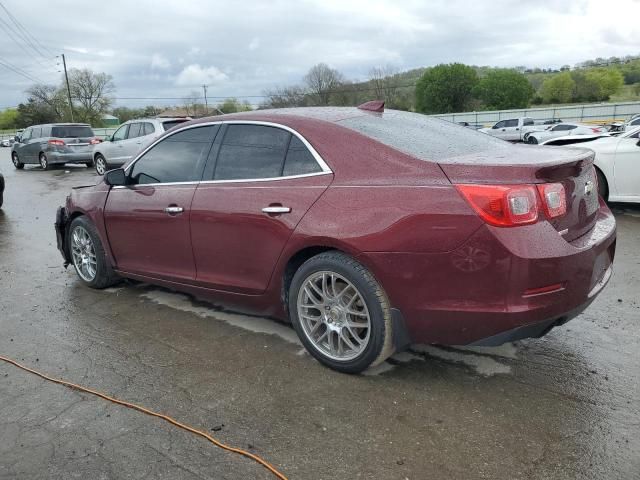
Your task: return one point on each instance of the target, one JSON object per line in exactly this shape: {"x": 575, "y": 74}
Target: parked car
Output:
{"x": 616, "y": 161}
{"x": 129, "y": 139}
{"x": 368, "y": 231}
{"x": 512, "y": 129}
{"x": 6, "y": 142}
{"x": 1, "y": 189}
{"x": 54, "y": 143}
{"x": 561, "y": 130}
{"x": 474, "y": 126}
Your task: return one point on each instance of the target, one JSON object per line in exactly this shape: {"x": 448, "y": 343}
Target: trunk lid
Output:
{"x": 524, "y": 164}
{"x": 76, "y": 138}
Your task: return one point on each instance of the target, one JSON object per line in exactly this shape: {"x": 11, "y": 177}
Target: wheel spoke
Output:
{"x": 311, "y": 297}
{"x": 347, "y": 341}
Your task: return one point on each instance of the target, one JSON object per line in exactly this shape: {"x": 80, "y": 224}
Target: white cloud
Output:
{"x": 194, "y": 74}
{"x": 159, "y": 62}
{"x": 255, "y": 43}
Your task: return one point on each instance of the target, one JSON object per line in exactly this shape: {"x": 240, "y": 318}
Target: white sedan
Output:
{"x": 561, "y": 130}
{"x": 617, "y": 160}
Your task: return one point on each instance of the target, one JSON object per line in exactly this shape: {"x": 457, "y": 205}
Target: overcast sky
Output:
{"x": 170, "y": 48}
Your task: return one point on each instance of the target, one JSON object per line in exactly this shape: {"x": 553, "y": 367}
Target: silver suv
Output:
{"x": 54, "y": 143}
{"x": 129, "y": 139}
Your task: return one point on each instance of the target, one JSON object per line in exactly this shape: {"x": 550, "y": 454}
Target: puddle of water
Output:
{"x": 475, "y": 357}
{"x": 508, "y": 350}
{"x": 483, "y": 365}
{"x": 254, "y": 324}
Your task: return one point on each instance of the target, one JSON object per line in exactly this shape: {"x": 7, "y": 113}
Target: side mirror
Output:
{"x": 108, "y": 138}
{"x": 16, "y": 139}
{"x": 115, "y": 177}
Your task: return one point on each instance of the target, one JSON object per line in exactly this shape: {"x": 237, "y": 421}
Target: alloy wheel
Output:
{"x": 334, "y": 316}
{"x": 14, "y": 159}
{"x": 84, "y": 254}
{"x": 44, "y": 162}
{"x": 101, "y": 167}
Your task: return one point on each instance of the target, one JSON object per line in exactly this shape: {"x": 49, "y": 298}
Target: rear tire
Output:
{"x": 329, "y": 295}
{"x": 88, "y": 256}
{"x": 16, "y": 161}
{"x": 603, "y": 186}
{"x": 44, "y": 162}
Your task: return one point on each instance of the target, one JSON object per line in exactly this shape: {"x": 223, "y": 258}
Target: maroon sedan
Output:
{"x": 367, "y": 230}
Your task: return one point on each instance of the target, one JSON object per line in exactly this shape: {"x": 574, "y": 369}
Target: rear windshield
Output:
{"x": 172, "y": 123}
{"x": 71, "y": 131}
{"x": 423, "y": 137}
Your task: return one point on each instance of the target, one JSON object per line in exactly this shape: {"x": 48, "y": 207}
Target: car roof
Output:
{"x": 61, "y": 125}
{"x": 157, "y": 119}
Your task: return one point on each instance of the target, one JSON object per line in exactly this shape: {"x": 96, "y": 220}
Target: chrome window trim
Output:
{"x": 321, "y": 163}
{"x": 206, "y": 182}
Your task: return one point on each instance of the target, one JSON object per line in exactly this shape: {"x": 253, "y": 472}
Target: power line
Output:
{"x": 31, "y": 40}
{"x": 19, "y": 71}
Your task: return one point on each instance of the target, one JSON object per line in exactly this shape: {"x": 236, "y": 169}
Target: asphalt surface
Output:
{"x": 565, "y": 406}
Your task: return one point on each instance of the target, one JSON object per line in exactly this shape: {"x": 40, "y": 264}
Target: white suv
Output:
{"x": 129, "y": 139}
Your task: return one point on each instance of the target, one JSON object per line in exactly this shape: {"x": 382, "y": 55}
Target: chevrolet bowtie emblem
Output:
{"x": 588, "y": 187}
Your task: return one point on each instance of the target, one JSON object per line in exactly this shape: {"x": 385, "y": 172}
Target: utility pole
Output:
{"x": 66, "y": 78}
{"x": 206, "y": 103}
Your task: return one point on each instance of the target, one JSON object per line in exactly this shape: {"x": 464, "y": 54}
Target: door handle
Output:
{"x": 274, "y": 209}
{"x": 173, "y": 210}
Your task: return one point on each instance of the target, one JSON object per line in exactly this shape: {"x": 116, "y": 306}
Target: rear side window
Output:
{"x": 134, "y": 130}
{"x": 299, "y": 159}
{"x": 172, "y": 123}
{"x": 251, "y": 151}
{"x": 422, "y": 137}
{"x": 511, "y": 123}
{"x": 71, "y": 131}
{"x": 177, "y": 158}
{"x": 527, "y": 122}
{"x": 148, "y": 128}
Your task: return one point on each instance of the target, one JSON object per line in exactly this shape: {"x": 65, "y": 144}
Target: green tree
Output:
{"x": 9, "y": 119}
{"x": 445, "y": 88}
{"x": 558, "y": 88}
{"x": 125, "y": 113}
{"x": 233, "y": 105}
{"x": 609, "y": 81}
{"x": 501, "y": 89}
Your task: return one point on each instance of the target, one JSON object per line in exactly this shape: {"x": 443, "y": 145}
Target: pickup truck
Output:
{"x": 513, "y": 129}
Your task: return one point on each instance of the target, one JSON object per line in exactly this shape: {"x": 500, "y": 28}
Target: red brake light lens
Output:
{"x": 503, "y": 205}
{"x": 596, "y": 130}
{"x": 554, "y": 199}
{"x": 56, "y": 142}
{"x": 95, "y": 141}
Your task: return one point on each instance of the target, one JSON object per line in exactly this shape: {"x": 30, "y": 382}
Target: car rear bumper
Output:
{"x": 491, "y": 289}
{"x": 74, "y": 157}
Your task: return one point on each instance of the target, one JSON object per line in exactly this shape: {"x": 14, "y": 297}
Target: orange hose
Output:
{"x": 217, "y": 443}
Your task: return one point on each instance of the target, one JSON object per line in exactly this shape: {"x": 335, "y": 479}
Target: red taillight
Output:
{"x": 596, "y": 130}
{"x": 56, "y": 142}
{"x": 503, "y": 205}
{"x": 512, "y": 205}
{"x": 95, "y": 141}
{"x": 554, "y": 199}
